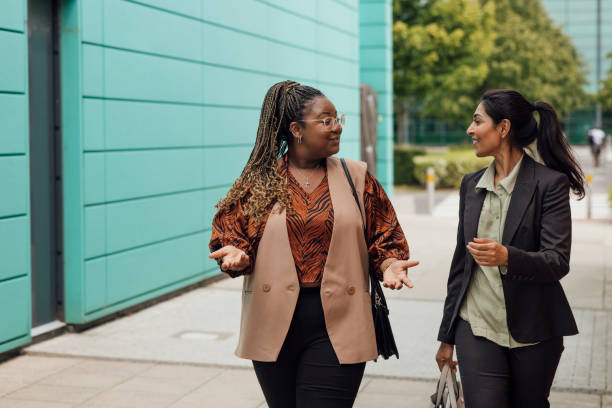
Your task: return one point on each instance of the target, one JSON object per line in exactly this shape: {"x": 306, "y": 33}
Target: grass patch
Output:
{"x": 449, "y": 166}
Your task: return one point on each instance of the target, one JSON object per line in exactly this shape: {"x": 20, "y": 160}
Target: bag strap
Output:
{"x": 354, "y": 190}
{"x": 441, "y": 384}
{"x": 461, "y": 402}
{"x": 451, "y": 383}
{"x": 448, "y": 382}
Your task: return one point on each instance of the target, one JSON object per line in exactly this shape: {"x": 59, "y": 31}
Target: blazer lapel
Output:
{"x": 473, "y": 206}
{"x": 521, "y": 196}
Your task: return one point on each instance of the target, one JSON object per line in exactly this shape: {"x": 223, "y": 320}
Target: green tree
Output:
{"x": 441, "y": 48}
{"x": 447, "y": 52}
{"x": 534, "y": 57}
{"x": 605, "y": 93}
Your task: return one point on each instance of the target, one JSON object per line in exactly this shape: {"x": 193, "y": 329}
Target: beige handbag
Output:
{"x": 449, "y": 392}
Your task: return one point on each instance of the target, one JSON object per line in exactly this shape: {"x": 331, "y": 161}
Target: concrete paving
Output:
{"x": 179, "y": 353}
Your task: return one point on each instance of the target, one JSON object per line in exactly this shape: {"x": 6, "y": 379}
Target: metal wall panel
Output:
{"x": 376, "y": 58}
{"x": 169, "y": 109}
{"x": 15, "y": 295}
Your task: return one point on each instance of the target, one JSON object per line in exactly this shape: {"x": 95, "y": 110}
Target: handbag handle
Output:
{"x": 449, "y": 381}
{"x": 354, "y": 190}
{"x": 442, "y": 383}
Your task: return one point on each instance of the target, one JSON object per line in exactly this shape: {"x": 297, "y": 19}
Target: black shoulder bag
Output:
{"x": 380, "y": 312}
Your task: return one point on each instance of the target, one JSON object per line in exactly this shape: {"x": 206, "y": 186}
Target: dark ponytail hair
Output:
{"x": 285, "y": 102}
{"x": 524, "y": 129}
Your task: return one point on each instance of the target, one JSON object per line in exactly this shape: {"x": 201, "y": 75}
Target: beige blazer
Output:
{"x": 270, "y": 292}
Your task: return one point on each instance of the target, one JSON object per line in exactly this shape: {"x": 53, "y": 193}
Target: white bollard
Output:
{"x": 430, "y": 181}
{"x": 589, "y": 203}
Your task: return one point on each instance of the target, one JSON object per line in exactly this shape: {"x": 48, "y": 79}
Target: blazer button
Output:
{"x": 266, "y": 287}
{"x": 350, "y": 290}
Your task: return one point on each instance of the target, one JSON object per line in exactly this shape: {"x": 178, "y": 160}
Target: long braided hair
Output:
{"x": 285, "y": 102}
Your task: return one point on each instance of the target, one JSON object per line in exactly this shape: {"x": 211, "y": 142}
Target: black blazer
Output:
{"x": 538, "y": 235}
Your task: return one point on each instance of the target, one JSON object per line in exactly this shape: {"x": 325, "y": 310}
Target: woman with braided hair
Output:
{"x": 505, "y": 309}
{"x": 291, "y": 226}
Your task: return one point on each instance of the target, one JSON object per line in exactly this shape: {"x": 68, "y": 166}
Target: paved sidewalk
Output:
{"x": 179, "y": 353}
{"x": 61, "y": 382}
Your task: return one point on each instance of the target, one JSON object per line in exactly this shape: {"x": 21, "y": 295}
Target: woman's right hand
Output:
{"x": 445, "y": 355}
{"x": 232, "y": 258}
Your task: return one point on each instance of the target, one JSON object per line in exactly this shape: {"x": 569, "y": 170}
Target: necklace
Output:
{"x": 305, "y": 176}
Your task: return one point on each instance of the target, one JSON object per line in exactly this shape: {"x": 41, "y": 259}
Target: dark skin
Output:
{"x": 312, "y": 143}
{"x": 488, "y": 139}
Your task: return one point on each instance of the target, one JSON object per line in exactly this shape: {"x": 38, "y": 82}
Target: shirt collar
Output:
{"x": 487, "y": 181}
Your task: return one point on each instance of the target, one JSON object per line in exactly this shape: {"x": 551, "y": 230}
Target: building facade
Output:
{"x": 123, "y": 122}
{"x": 579, "y": 20}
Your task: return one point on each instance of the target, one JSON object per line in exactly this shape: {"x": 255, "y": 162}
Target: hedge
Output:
{"x": 450, "y": 167}
{"x": 403, "y": 164}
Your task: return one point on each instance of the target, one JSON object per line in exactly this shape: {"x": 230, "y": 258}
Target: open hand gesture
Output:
{"x": 396, "y": 275}
{"x": 233, "y": 259}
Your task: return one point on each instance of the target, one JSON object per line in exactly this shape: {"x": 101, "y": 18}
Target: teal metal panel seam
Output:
{"x": 146, "y": 149}
{"x": 348, "y": 6}
{"x": 12, "y": 154}
{"x": 105, "y": 165}
{"x": 15, "y": 343}
{"x": 10, "y": 30}
{"x": 298, "y": 47}
{"x": 148, "y": 244}
{"x": 143, "y": 297}
{"x": 8, "y": 217}
{"x": 170, "y": 193}
{"x": 11, "y": 93}
{"x": 13, "y": 278}
{"x": 26, "y": 339}
{"x": 72, "y": 163}
{"x": 27, "y": 152}
{"x": 260, "y": 1}
{"x": 210, "y": 64}
{"x": 212, "y": 105}
{"x": 313, "y": 20}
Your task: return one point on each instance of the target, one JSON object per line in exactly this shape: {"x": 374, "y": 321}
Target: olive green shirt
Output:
{"x": 484, "y": 306}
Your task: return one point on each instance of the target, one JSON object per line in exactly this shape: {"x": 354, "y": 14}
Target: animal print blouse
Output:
{"x": 310, "y": 228}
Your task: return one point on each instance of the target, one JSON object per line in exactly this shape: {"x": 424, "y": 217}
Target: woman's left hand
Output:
{"x": 396, "y": 275}
{"x": 487, "y": 252}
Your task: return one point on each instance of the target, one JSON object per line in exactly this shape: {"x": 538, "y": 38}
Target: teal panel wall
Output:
{"x": 376, "y": 57}
{"x": 160, "y": 106}
{"x": 15, "y": 303}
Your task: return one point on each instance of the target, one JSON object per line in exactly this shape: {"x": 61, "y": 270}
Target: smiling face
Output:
{"x": 487, "y": 137}
{"x": 318, "y": 141}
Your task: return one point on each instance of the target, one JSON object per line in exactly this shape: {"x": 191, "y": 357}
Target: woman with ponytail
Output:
{"x": 505, "y": 309}
{"x": 291, "y": 226}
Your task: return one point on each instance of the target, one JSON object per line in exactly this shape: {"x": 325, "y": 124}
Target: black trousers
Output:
{"x": 307, "y": 372}
{"x": 500, "y": 377}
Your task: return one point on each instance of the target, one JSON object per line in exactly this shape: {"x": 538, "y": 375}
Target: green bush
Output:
{"x": 450, "y": 167}
{"x": 403, "y": 164}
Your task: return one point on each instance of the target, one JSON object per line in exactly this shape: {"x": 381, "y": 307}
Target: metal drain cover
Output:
{"x": 203, "y": 335}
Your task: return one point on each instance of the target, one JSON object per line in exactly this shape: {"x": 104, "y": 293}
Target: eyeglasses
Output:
{"x": 329, "y": 122}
